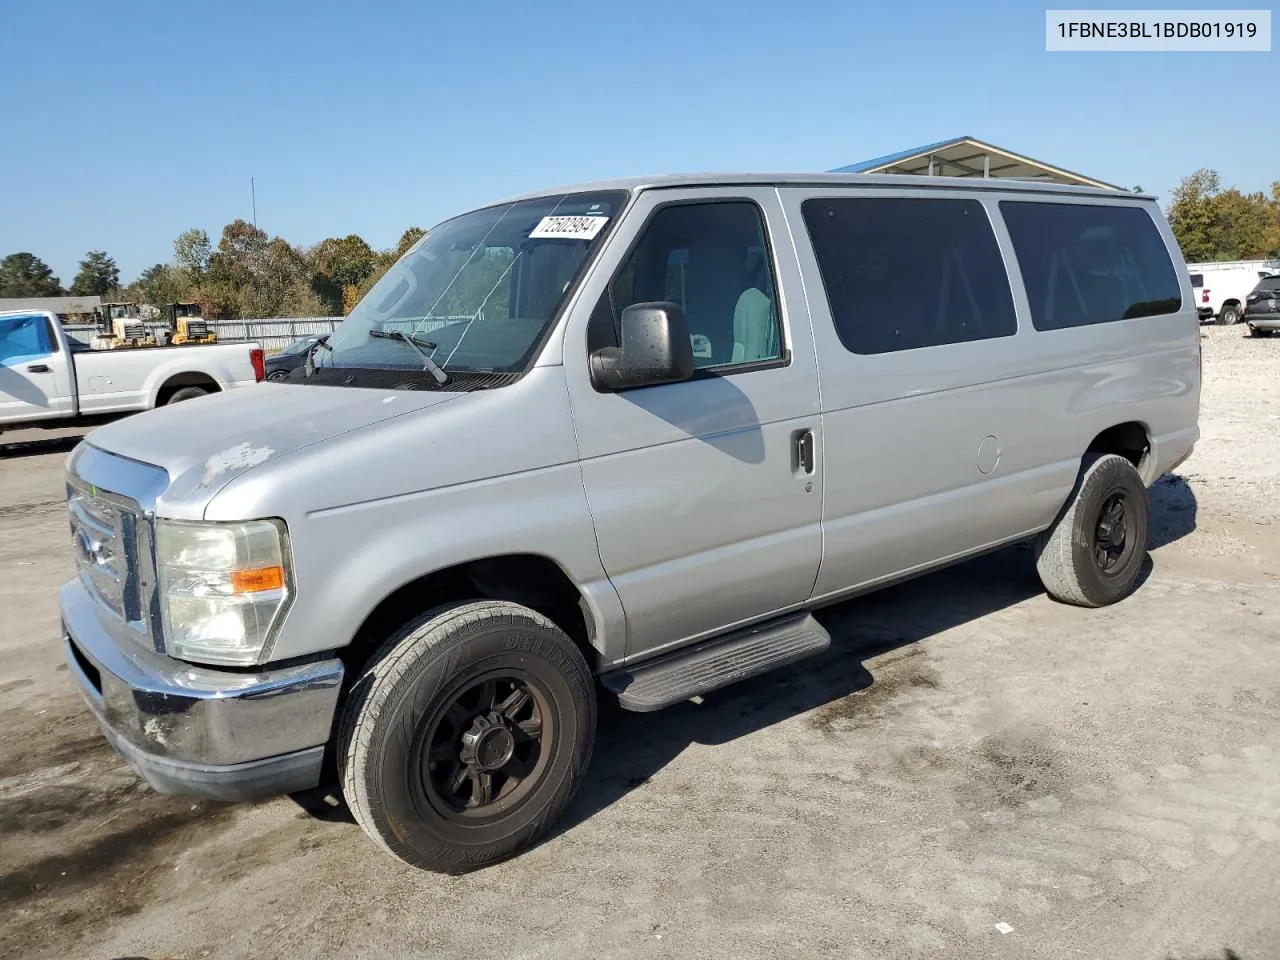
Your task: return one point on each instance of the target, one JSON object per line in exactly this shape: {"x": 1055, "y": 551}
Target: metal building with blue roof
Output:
{"x": 970, "y": 157}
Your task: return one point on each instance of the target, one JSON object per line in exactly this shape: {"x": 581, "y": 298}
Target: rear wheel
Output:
{"x": 1228, "y": 315}
{"x": 186, "y": 393}
{"x": 1092, "y": 555}
{"x": 1255, "y": 332}
{"x": 467, "y": 735}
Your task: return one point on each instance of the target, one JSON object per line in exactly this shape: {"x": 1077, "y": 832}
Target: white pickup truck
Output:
{"x": 1220, "y": 289}
{"x": 48, "y": 379}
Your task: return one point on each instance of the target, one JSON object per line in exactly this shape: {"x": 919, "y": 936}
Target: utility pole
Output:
{"x": 253, "y": 192}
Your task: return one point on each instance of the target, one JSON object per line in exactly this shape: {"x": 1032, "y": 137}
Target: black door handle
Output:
{"x": 804, "y": 450}
{"x": 38, "y": 368}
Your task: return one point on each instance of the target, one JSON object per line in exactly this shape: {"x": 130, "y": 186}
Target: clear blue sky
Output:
{"x": 126, "y": 123}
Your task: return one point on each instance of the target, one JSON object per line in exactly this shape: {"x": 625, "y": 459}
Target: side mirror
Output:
{"x": 655, "y": 349}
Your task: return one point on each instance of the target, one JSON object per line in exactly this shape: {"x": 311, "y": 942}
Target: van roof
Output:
{"x": 897, "y": 181}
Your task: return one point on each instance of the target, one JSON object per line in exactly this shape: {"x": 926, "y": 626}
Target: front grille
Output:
{"x": 112, "y": 545}
{"x": 102, "y": 535}
{"x": 111, "y": 501}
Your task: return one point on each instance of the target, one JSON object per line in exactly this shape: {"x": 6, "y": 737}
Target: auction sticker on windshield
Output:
{"x": 568, "y": 228}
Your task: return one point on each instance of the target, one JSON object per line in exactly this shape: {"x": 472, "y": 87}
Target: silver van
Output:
{"x": 625, "y": 438}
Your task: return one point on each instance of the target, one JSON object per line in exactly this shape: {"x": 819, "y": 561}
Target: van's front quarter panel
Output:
{"x": 490, "y": 473}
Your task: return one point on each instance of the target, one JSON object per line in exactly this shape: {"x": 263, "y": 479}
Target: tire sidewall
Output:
{"x": 1229, "y": 315}
{"x": 1109, "y": 475}
{"x": 187, "y": 393}
{"x": 400, "y": 811}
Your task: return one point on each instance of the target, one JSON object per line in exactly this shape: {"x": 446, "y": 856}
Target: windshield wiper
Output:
{"x": 417, "y": 343}
{"x": 310, "y": 366}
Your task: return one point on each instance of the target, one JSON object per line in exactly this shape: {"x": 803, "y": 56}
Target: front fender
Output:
{"x": 489, "y": 473}
{"x": 349, "y": 559}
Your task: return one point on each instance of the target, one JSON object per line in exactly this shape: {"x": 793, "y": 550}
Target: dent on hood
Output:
{"x": 240, "y": 457}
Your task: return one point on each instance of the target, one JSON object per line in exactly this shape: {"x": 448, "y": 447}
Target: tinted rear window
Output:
{"x": 1197, "y": 279}
{"x": 903, "y": 273}
{"x": 1089, "y": 263}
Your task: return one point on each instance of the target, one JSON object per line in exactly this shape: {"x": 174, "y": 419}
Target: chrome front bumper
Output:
{"x": 188, "y": 729}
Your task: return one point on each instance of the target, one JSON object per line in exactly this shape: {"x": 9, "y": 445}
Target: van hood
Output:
{"x": 205, "y": 443}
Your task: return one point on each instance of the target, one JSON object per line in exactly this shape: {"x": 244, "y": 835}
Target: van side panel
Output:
{"x": 1146, "y": 369}
{"x": 908, "y": 434}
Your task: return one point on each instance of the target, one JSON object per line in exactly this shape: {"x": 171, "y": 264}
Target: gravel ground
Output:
{"x": 972, "y": 771}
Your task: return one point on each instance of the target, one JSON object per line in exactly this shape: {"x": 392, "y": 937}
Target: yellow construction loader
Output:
{"x": 121, "y": 325}
{"x": 186, "y": 325}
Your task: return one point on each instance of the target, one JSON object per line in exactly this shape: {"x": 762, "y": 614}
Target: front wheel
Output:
{"x": 1092, "y": 555}
{"x": 1229, "y": 315}
{"x": 467, "y": 735}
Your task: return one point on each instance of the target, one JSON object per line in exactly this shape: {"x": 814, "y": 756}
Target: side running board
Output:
{"x": 716, "y": 663}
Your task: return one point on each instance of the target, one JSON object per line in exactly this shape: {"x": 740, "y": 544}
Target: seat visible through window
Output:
{"x": 755, "y": 331}
{"x": 710, "y": 258}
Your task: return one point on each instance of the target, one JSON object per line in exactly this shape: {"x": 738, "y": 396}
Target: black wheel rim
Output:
{"x": 485, "y": 749}
{"x": 1112, "y": 542}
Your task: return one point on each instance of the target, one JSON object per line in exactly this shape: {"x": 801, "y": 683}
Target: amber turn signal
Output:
{"x": 255, "y": 581}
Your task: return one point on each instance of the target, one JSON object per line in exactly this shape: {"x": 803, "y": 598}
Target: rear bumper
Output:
{"x": 195, "y": 730}
{"x": 1263, "y": 321}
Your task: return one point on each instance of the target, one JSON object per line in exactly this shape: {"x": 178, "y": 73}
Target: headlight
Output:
{"x": 223, "y": 587}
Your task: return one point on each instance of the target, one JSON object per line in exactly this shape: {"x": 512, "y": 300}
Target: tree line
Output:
{"x": 250, "y": 274}
{"x": 1216, "y": 224}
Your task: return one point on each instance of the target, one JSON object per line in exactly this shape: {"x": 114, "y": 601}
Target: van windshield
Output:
{"x": 477, "y": 292}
